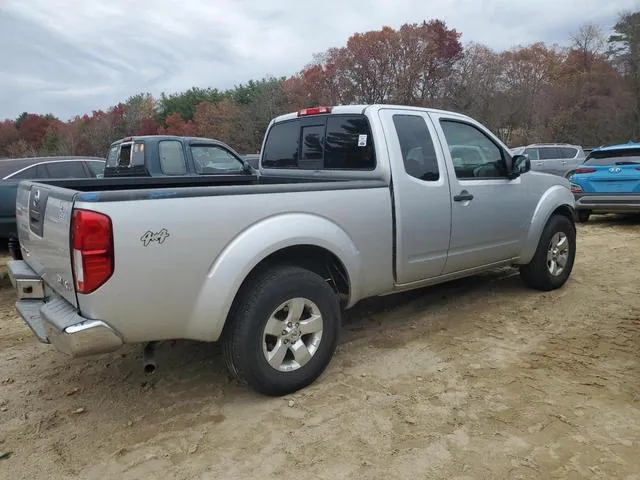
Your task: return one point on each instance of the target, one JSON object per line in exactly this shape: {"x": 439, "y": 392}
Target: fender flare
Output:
{"x": 555, "y": 197}
{"x": 250, "y": 247}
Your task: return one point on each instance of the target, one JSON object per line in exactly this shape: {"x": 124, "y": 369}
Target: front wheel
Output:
{"x": 552, "y": 263}
{"x": 283, "y": 330}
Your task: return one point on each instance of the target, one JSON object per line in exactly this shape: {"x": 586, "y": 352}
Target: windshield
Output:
{"x": 212, "y": 159}
{"x": 614, "y": 157}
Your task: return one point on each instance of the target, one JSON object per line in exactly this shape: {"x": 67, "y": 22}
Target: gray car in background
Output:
{"x": 556, "y": 158}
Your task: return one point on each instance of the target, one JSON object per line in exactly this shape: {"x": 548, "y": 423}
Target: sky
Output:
{"x": 69, "y": 57}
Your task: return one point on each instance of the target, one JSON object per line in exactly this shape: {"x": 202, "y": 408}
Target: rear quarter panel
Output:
{"x": 184, "y": 286}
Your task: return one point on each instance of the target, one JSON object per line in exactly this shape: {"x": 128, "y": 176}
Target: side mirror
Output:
{"x": 520, "y": 164}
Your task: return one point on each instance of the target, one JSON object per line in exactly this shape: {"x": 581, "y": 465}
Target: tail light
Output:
{"x": 585, "y": 170}
{"x": 305, "y": 112}
{"x": 92, "y": 249}
{"x": 576, "y": 188}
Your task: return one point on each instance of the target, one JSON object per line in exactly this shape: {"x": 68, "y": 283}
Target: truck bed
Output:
{"x": 130, "y": 188}
{"x": 183, "y": 206}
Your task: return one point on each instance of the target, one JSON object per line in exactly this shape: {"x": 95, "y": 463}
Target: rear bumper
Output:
{"x": 54, "y": 320}
{"x": 608, "y": 202}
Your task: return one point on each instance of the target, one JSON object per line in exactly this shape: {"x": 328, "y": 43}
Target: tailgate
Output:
{"x": 43, "y": 216}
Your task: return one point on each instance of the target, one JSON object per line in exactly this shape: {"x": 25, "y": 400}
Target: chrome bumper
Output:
{"x": 54, "y": 320}
{"x": 624, "y": 202}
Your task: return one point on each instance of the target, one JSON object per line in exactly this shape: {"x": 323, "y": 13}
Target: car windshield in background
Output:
{"x": 614, "y": 157}
{"x": 212, "y": 159}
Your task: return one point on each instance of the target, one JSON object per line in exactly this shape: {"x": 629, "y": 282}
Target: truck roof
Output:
{"x": 167, "y": 137}
{"x": 360, "y": 109}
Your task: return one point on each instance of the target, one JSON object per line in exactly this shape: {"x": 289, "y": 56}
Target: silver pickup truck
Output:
{"x": 350, "y": 202}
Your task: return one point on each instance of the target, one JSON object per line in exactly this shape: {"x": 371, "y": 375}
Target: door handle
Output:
{"x": 463, "y": 196}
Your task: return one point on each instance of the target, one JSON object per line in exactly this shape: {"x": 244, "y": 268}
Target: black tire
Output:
{"x": 536, "y": 273}
{"x": 243, "y": 339}
{"x": 583, "y": 216}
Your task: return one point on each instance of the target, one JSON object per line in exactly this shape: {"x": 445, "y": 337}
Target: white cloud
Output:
{"x": 94, "y": 55}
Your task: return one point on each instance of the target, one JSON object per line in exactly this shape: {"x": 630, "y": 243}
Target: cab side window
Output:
{"x": 172, "y": 158}
{"x": 475, "y": 156}
{"x": 418, "y": 152}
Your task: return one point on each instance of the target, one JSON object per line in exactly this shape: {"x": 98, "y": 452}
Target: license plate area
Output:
{"x": 615, "y": 187}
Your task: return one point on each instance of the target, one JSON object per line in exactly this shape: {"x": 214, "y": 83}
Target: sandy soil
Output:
{"x": 479, "y": 378}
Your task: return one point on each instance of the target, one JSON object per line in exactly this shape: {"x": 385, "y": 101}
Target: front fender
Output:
{"x": 253, "y": 245}
{"x": 553, "y": 198}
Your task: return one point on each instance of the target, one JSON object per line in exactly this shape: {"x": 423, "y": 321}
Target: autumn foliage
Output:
{"x": 588, "y": 93}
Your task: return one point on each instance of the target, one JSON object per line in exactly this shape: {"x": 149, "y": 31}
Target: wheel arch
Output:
{"x": 557, "y": 200}
{"x": 305, "y": 240}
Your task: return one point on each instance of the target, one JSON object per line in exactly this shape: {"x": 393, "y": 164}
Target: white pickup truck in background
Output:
{"x": 351, "y": 202}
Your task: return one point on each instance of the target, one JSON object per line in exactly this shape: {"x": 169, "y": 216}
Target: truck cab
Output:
{"x": 169, "y": 155}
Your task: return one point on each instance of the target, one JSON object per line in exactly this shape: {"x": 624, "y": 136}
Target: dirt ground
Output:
{"x": 475, "y": 379}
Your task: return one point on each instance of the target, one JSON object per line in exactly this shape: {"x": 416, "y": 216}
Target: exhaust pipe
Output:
{"x": 148, "y": 358}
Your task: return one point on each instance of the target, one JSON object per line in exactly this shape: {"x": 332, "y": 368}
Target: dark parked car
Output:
{"x": 13, "y": 170}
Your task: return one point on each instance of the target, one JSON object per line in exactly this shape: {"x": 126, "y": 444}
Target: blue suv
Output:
{"x": 608, "y": 181}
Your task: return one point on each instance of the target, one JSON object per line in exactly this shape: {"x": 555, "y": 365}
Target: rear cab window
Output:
{"x": 125, "y": 155}
{"x": 322, "y": 142}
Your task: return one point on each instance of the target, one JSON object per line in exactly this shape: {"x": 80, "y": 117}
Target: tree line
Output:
{"x": 587, "y": 93}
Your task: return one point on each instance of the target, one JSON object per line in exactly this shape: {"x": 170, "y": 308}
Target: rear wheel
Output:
{"x": 552, "y": 263}
{"x": 283, "y": 330}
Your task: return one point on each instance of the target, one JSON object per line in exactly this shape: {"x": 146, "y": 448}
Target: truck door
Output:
{"x": 490, "y": 212}
{"x": 421, "y": 195}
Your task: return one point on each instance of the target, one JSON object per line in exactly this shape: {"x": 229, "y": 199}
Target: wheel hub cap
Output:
{"x": 292, "y": 334}
{"x": 557, "y": 253}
